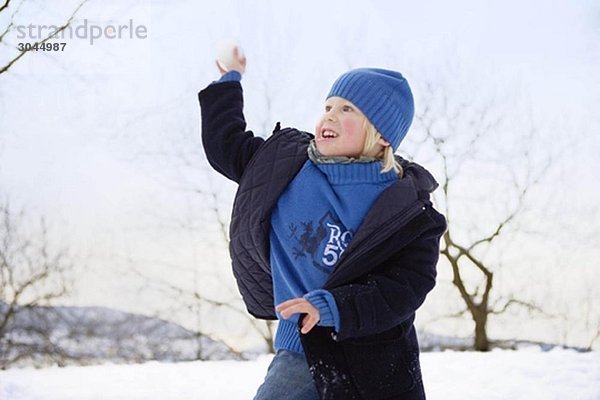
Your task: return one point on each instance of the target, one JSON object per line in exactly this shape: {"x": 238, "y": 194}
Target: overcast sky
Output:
{"x": 97, "y": 138}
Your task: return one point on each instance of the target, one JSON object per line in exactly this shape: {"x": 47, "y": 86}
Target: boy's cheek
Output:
{"x": 350, "y": 127}
{"x": 357, "y": 130}
{"x": 318, "y": 127}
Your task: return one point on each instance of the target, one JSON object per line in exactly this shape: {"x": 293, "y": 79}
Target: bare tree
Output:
{"x": 38, "y": 43}
{"x": 31, "y": 274}
{"x": 458, "y": 128}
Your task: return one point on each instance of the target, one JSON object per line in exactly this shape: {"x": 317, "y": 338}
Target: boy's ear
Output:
{"x": 383, "y": 142}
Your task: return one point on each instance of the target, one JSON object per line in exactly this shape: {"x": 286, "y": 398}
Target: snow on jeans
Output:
{"x": 288, "y": 378}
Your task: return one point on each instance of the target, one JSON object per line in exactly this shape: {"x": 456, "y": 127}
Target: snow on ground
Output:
{"x": 501, "y": 374}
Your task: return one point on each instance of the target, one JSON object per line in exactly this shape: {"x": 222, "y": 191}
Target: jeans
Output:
{"x": 288, "y": 378}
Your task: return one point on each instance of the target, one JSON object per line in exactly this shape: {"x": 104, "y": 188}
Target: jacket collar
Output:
{"x": 424, "y": 181}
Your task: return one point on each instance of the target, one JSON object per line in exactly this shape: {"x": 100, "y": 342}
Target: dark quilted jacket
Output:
{"x": 380, "y": 280}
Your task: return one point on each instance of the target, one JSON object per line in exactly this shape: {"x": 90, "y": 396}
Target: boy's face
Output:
{"x": 348, "y": 124}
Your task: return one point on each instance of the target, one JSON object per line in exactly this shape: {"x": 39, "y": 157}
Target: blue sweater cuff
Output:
{"x": 229, "y": 77}
{"x": 324, "y": 301}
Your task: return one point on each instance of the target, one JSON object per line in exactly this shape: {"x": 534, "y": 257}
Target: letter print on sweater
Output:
{"x": 324, "y": 244}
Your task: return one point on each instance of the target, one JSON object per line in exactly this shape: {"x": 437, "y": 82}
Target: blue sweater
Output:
{"x": 312, "y": 223}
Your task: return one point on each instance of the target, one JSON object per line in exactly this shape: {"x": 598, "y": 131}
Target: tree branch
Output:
{"x": 4, "y": 6}
{"x": 60, "y": 29}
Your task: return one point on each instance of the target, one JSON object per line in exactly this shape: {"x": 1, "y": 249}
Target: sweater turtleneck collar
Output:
{"x": 348, "y": 170}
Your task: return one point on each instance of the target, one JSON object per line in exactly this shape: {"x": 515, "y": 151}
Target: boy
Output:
{"x": 331, "y": 234}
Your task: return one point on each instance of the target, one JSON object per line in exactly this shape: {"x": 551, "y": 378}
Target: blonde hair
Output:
{"x": 386, "y": 155}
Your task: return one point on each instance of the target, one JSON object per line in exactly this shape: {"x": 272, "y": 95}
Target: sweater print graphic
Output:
{"x": 323, "y": 243}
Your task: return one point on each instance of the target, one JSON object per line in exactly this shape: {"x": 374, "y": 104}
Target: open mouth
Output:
{"x": 328, "y": 134}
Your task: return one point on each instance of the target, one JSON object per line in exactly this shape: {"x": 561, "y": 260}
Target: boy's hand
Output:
{"x": 300, "y": 306}
{"x": 239, "y": 63}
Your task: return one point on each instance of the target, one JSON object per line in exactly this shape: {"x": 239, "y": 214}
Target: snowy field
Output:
{"x": 502, "y": 375}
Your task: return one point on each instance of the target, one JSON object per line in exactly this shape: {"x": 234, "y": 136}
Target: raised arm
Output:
{"x": 227, "y": 144}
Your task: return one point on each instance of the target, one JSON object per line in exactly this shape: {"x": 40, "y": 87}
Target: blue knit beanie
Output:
{"x": 383, "y": 96}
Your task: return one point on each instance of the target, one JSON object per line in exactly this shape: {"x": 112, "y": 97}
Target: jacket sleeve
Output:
{"x": 394, "y": 290}
{"x": 227, "y": 144}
